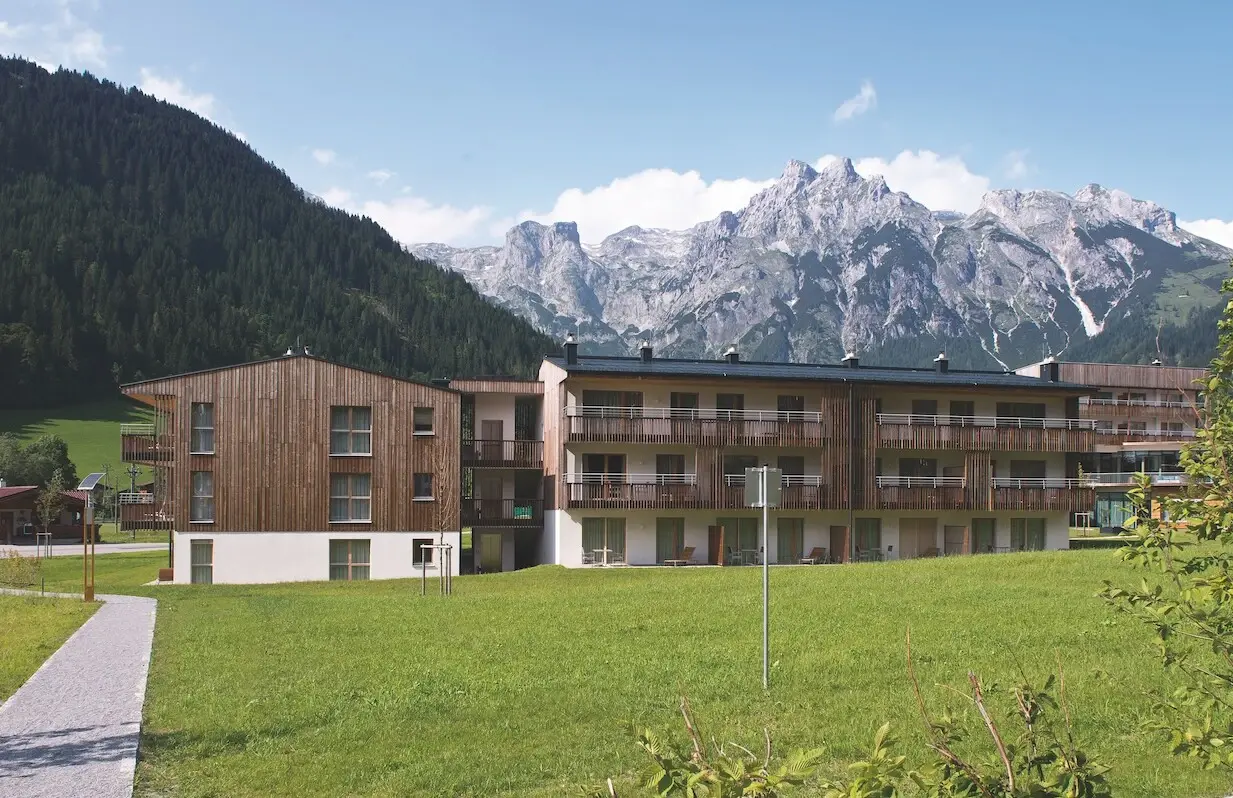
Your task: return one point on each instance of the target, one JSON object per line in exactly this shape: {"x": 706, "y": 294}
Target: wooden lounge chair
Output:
{"x": 816, "y": 555}
{"x": 686, "y": 557}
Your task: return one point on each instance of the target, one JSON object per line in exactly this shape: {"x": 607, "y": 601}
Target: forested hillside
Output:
{"x": 138, "y": 239}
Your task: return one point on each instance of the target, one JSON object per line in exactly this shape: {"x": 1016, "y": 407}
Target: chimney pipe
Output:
{"x": 571, "y": 350}
{"x": 941, "y": 363}
{"x": 732, "y": 356}
{"x": 646, "y": 351}
{"x": 1050, "y": 370}
{"x": 851, "y": 360}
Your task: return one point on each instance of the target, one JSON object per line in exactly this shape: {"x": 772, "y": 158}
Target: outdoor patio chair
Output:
{"x": 588, "y": 557}
{"x": 616, "y": 558}
{"x": 816, "y": 555}
{"x": 686, "y": 557}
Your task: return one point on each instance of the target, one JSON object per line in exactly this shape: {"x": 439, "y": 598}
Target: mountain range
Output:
{"x": 826, "y": 261}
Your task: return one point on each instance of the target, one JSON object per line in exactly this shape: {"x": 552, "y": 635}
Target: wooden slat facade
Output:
{"x": 1111, "y": 375}
{"x": 499, "y": 385}
{"x": 1044, "y": 499}
{"x": 503, "y": 454}
{"x": 1121, "y": 412}
{"x": 1022, "y": 439}
{"x": 272, "y": 461}
{"x": 695, "y": 431}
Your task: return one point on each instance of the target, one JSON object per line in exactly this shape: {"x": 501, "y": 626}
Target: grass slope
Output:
{"x": 91, "y": 430}
{"x": 31, "y": 630}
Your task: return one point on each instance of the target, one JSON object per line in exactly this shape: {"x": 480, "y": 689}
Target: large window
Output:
{"x": 789, "y": 540}
{"x": 1027, "y": 534}
{"x": 740, "y": 539}
{"x": 684, "y": 401}
{"x": 422, "y": 421}
{"x": 201, "y": 438}
{"x": 349, "y": 560}
{"x": 350, "y": 498}
{"x": 603, "y": 539}
{"x": 1027, "y": 469}
{"x": 201, "y": 509}
{"x": 924, "y": 411}
{"x": 1024, "y": 414}
{"x": 984, "y": 535}
{"x": 670, "y": 468}
{"x": 962, "y": 411}
{"x": 868, "y": 535}
{"x": 201, "y": 557}
{"x": 669, "y": 538}
{"x": 422, "y": 487}
{"x": 918, "y": 467}
{"x": 351, "y": 430}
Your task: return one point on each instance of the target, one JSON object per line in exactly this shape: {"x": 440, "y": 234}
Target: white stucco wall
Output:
{"x": 266, "y": 557}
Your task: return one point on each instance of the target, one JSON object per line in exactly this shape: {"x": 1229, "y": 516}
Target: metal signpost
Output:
{"x": 762, "y": 489}
{"x": 87, "y": 539}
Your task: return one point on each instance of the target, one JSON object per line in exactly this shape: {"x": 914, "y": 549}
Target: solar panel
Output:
{"x": 91, "y": 481}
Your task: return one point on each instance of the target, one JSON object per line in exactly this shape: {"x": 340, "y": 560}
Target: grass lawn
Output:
{"x": 520, "y": 683}
{"x": 114, "y": 573}
{"x": 32, "y": 629}
{"x": 91, "y": 430}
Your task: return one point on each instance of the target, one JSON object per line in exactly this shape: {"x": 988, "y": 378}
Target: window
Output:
{"x": 1174, "y": 427}
{"x": 351, "y": 430}
{"x": 740, "y": 539}
{"x": 1027, "y": 534}
{"x": 201, "y": 510}
{"x": 684, "y": 401}
{"x": 1138, "y": 426}
{"x": 729, "y": 405}
{"x": 201, "y": 557}
{"x": 923, "y": 411}
{"x": 350, "y": 498}
{"x": 420, "y": 555}
{"x": 918, "y": 467}
{"x": 603, "y": 468}
{"x": 669, "y": 539}
{"x": 792, "y": 465}
{"x": 349, "y": 560}
{"x": 1027, "y": 469}
{"x": 604, "y": 539}
{"x": 422, "y": 421}
{"x": 984, "y": 535}
{"x": 670, "y": 468}
{"x": 789, "y": 540}
{"x": 421, "y": 486}
{"x": 201, "y": 439}
{"x": 612, "y": 404}
{"x": 791, "y": 408}
{"x": 961, "y": 413}
{"x": 735, "y": 465}
{"x": 1024, "y": 414}
{"x": 868, "y": 534}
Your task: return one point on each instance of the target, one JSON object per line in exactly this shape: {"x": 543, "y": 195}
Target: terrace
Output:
{"x": 693, "y": 426}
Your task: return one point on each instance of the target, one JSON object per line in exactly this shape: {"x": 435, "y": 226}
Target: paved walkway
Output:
{"x": 63, "y": 549}
{"x": 71, "y": 731}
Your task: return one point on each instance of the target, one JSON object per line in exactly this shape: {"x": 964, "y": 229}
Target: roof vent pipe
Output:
{"x": 571, "y": 350}
{"x": 646, "y": 351}
{"x": 1156, "y": 362}
{"x": 732, "y": 356}
{"x": 851, "y": 360}
{"x": 941, "y": 363}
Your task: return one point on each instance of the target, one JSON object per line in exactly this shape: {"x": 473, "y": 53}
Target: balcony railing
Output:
{"x": 1128, "y": 478}
{"x": 922, "y": 482}
{"x": 700, "y": 427}
{"x": 1042, "y": 494}
{"x": 1130, "y": 435}
{"x": 503, "y": 454}
{"x": 632, "y": 491}
{"x": 143, "y": 511}
{"x": 922, "y": 493}
{"x": 141, "y": 443}
{"x": 503, "y": 512}
{"x": 1005, "y": 433}
{"x": 797, "y": 492}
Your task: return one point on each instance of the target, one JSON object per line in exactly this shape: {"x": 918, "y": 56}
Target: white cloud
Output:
{"x": 54, "y": 36}
{"x": 415, "y": 220}
{"x": 1212, "y": 229}
{"x": 650, "y": 198}
{"x": 324, "y": 157}
{"x": 1016, "y": 165}
{"x": 864, "y": 100}
{"x": 175, "y": 92}
{"x": 380, "y": 176}
{"x": 938, "y": 182}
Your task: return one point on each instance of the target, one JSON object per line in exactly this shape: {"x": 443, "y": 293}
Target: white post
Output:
{"x": 766, "y": 581}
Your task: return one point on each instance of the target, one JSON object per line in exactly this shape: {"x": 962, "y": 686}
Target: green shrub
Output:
{"x": 18, "y": 571}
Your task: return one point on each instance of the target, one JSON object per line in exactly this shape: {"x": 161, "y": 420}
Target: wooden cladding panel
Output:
{"x": 1023, "y": 439}
{"x": 272, "y": 463}
{"x": 978, "y": 469}
{"x": 1135, "y": 412}
{"x": 1109, "y": 375}
{"x": 498, "y": 385}
{"x": 554, "y": 439}
{"x": 835, "y": 467}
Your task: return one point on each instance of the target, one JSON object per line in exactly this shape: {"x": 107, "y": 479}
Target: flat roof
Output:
{"x": 607, "y": 365}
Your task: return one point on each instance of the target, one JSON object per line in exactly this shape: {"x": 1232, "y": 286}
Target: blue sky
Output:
{"x": 452, "y": 119}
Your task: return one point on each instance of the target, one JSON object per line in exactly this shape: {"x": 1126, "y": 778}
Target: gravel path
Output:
{"x": 71, "y": 731}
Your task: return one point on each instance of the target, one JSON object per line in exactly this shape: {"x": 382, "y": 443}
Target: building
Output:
{"x": 19, "y": 521}
{"x": 502, "y": 456}
{"x": 645, "y": 457}
{"x": 296, "y": 468}
{"x": 1153, "y": 411}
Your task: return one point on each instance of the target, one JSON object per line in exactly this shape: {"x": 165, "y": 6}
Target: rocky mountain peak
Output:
{"x": 798, "y": 172}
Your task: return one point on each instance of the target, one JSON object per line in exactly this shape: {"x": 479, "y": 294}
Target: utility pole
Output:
{"x": 762, "y": 489}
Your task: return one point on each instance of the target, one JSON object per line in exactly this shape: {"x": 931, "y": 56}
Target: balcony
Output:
{"x": 1137, "y": 408}
{"x": 797, "y": 492}
{"x": 632, "y": 491}
{"x": 143, "y": 511}
{"x": 503, "y": 454}
{"x": 1043, "y": 495}
{"x": 997, "y": 433}
{"x": 923, "y": 493}
{"x": 140, "y": 443}
{"x": 1107, "y": 434}
{"x": 689, "y": 426}
{"x": 1126, "y": 479}
{"x": 515, "y": 513}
